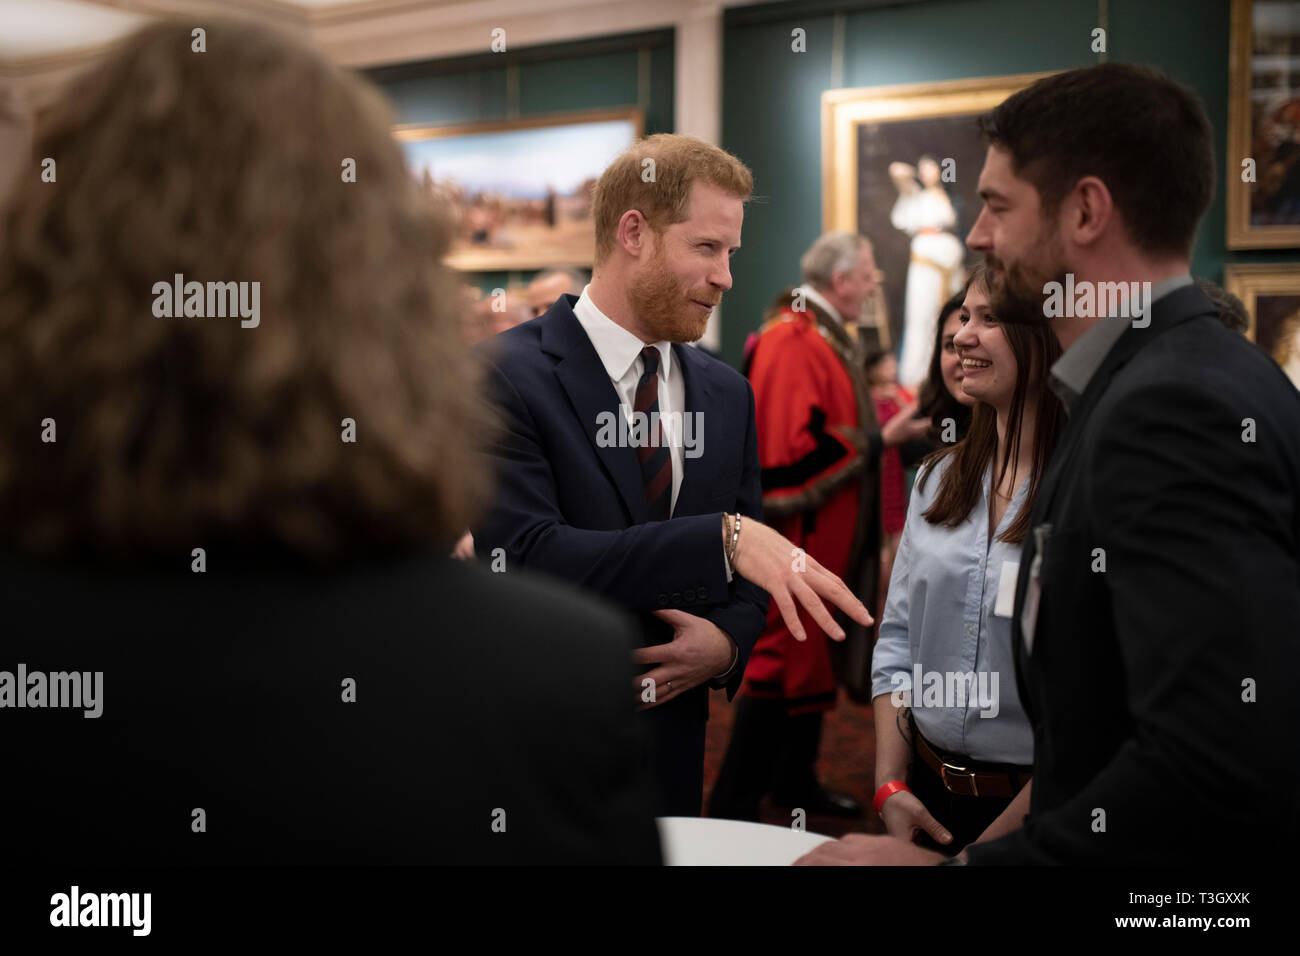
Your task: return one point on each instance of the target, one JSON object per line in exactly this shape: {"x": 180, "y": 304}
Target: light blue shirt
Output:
{"x": 943, "y": 614}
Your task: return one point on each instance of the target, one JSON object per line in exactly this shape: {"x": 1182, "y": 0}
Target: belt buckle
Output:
{"x": 944, "y": 769}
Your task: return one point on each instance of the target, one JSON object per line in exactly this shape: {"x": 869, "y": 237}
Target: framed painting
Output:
{"x": 1271, "y": 294}
{"x": 520, "y": 191}
{"x": 1263, "y": 161}
{"x": 901, "y": 166}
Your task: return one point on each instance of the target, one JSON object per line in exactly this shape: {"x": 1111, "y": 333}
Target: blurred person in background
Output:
{"x": 942, "y": 399}
{"x": 242, "y": 529}
{"x": 1231, "y": 309}
{"x": 891, "y": 400}
{"x": 819, "y": 447}
{"x": 549, "y": 284}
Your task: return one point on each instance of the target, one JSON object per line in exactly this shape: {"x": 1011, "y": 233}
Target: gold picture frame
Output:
{"x": 509, "y": 228}
{"x": 1248, "y": 111}
{"x": 846, "y": 109}
{"x": 936, "y": 119}
{"x": 1271, "y": 294}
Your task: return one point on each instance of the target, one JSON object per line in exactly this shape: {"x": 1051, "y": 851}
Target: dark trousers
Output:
{"x": 770, "y": 752}
{"x": 676, "y": 731}
{"x": 965, "y": 817}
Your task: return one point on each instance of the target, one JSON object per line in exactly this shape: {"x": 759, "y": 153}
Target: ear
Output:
{"x": 634, "y": 233}
{"x": 1088, "y": 212}
{"x": 838, "y": 279}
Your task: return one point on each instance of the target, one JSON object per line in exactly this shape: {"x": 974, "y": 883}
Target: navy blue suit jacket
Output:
{"x": 566, "y": 506}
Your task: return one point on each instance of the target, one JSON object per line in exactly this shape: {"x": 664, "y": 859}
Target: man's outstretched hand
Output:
{"x": 770, "y": 560}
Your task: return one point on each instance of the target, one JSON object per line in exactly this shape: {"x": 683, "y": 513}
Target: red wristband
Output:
{"x": 887, "y": 791}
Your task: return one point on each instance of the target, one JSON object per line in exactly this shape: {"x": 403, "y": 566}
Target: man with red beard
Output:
{"x": 628, "y": 463}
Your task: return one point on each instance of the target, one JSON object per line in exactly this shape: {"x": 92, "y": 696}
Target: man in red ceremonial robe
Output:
{"x": 819, "y": 448}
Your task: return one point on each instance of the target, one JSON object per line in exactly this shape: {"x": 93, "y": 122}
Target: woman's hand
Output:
{"x": 905, "y": 816}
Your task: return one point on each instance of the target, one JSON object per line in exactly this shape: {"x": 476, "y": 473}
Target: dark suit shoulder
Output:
{"x": 721, "y": 373}
{"x": 515, "y": 348}
{"x": 380, "y": 712}
{"x": 1201, "y": 359}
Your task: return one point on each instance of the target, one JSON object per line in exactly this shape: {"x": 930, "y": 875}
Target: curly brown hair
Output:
{"x": 174, "y": 433}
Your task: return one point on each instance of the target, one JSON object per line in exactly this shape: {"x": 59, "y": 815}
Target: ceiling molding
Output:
{"x": 460, "y": 28}
{"x": 281, "y": 11}
{"x": 377, "y": 33}
{"x": 365, "y": 9}
{"x": 21, "y": 69}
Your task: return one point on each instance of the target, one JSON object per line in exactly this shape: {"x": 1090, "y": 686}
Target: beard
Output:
{"x": 663, "y": 304}
{"x": 1016, "y": 288}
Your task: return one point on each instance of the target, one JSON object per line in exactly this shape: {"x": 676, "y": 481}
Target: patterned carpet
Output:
{"x": 846, "y": 763}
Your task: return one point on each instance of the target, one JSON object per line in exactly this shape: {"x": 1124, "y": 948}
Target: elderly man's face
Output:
{"x": 853, "y": 287}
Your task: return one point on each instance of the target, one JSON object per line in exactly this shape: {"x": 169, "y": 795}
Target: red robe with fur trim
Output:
{"x": 810, "y": 446}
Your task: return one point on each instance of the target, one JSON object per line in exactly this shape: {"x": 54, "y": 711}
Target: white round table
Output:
{"x": 700, "y": 841}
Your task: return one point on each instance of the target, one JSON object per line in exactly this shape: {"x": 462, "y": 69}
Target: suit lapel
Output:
{"x": 593, "y": 398}
{"x": 699, "y": 396}
{"x": 1179, "y": 306}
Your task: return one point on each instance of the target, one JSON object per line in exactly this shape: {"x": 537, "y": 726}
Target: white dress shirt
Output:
{"x": 620, "y": 353}
{"x": 820, "y": 301}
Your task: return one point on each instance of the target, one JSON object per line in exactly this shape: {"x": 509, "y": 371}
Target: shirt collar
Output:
{"x": 820, "y": 300}
{"x": 1073, "y": 371}
{"x": 617, "y": 348}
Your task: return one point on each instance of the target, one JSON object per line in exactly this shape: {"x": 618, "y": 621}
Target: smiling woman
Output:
{"x": 1015, "y": 423}
{"x": 969, "y": 756}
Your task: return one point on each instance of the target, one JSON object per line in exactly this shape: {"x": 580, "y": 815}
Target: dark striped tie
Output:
{"x": 656, "y": 460}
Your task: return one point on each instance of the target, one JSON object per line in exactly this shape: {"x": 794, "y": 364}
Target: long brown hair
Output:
{"x": 936, "y": 402}
{"x": 172, "y": 433}
{"x": 1035, "y": 347}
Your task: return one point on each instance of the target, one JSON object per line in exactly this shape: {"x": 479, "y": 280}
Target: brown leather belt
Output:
{"x": 960, "y": 779}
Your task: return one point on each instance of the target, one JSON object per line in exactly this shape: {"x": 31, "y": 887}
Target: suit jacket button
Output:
{"x": 702, "y": 593}
{"x": 677, "y": 598}
{"x": 689, "y": 595}
{"x": 663, "y": 600}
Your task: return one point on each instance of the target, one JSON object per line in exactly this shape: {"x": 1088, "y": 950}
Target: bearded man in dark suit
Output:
{"x": 1157, "y": 612}
{"x": 629, "y": 461}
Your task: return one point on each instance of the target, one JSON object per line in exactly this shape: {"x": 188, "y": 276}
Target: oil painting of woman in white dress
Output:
{"x": 925, "y": 212}
{"x": 1287, "y": 350}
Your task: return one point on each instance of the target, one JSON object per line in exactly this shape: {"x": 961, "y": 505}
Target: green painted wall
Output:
{"x": 534, "y": 81}
{"x": 772, "y": 95}
{"x": 772, "y": 98}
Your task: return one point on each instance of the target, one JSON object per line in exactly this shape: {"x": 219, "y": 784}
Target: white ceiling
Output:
{"x": 30, "y": 28}
{"x": 45, "y": 42}
{"x": 35, "y": 31}
{"x": 39, "y": 28}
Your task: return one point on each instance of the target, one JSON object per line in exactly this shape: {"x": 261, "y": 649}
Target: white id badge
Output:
{"x": 1006, "y": 600}
{"x": 1034, "y": 588}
